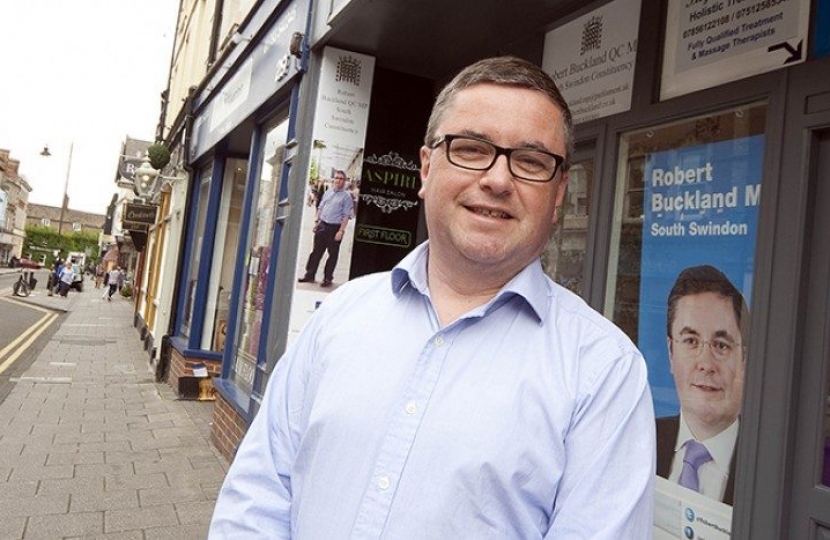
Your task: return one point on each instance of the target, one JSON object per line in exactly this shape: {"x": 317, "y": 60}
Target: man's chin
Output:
{"x": 709, "y": 414}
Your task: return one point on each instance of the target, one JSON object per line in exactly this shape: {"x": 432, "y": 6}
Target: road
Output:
{"x": 24, "y": 331}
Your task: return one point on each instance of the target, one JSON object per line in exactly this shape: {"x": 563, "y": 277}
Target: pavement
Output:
{"x": 91, "y": 446}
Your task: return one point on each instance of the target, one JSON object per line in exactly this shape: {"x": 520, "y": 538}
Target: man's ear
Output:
{"x": 669, "y": 347}
{"x": 425, "y": 163}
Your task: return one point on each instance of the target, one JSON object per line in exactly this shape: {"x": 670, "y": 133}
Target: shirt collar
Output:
{"x": 720, "y": 447}
{"x": 531, "y": 284}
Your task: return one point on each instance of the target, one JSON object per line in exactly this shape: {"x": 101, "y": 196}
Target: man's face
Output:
{"x": 709, "y": 385}
{"x": 489, "y": 219}
{"x": 339, "y": 181}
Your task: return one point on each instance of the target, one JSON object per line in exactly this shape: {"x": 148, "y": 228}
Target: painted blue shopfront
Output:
{"x": 255, "y": 89}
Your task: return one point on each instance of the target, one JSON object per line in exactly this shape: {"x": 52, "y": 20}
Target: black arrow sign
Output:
{"x": 795, "y": 54}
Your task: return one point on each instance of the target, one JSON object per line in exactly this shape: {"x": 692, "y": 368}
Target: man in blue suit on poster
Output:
{"x": 707, "y": 332}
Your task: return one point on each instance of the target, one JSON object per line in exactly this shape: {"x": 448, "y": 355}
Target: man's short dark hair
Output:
{"x": 703, "y": 279}
{"x": 504, "y": 71}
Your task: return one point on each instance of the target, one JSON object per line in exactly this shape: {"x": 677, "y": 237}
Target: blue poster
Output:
{"x": 700, "y": 208}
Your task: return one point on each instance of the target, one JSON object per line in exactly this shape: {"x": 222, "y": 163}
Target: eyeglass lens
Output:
{"x": 479, "y": 155}
{"x": 720, "y": 347}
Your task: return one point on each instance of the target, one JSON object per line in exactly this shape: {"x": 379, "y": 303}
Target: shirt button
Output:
{"x": 411, "y": 408}
{"x": 439, "y": 341}
{"x": 384, "y": 482}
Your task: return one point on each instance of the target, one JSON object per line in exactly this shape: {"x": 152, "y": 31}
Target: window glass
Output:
{"x": 196, "y": 251}
{"x": 679, "y": 284}
{"x": 258, "y": 257}
{"x": 564, "y": 256}
{"x": 224, "y": 255}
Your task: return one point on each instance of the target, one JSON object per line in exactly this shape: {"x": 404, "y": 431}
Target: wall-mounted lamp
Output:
{"x": 145, "y": 178}
{"x": 149, "y": 181}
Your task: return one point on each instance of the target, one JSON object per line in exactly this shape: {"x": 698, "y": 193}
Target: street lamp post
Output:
{"x": 65, "y": 201}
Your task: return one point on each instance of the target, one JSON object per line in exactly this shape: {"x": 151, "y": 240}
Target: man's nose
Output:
{"x": 706, "y": 360}
{"x": 498, "y": 178}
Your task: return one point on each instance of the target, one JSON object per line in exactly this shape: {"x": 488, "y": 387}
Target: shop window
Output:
{"x": 224, "y": 251}
{"x": 564, "y": 256}
{"x": 196, "y": 252}
{"x": 679, "y": 283}
{"x": 258, "y": 257}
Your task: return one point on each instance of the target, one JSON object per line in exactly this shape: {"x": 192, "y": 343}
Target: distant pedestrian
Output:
{"x": 99, "y": 276}
{"x": 112, "y": 279}
{"x": 120, "y": 278}
{"x": 54, "y": 277}
{"x": 67, "y": 276}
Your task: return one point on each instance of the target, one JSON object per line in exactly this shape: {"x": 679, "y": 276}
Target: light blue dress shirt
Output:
{"x": 528, "y": 418}
{"x": 336, "y": 205}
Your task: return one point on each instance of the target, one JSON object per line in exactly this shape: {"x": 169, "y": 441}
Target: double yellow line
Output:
{"x": 25, "y": 340}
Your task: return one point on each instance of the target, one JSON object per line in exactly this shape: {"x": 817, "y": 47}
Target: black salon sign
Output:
{"x": 139, "y": 217}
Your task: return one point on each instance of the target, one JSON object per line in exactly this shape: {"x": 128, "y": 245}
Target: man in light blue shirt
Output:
{"x": 463, "y": 395}
{"x": 333, "y": 216}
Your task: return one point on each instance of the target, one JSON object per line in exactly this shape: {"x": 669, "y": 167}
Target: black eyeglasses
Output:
{"x": 479, "y": 155}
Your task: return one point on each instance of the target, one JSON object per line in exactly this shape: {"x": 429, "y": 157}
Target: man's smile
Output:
{"x": 489, "y": 212}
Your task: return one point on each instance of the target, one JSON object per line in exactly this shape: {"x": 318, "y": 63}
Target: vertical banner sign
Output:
{"x": 699, "y": 234}
{"x": 711, "y": 42}
{"x": 388, "y": 211}
{"x": 592, "y": 59}
{"x": 338, "y": 136}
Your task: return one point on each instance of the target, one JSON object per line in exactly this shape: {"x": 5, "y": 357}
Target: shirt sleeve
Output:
{"x": 607, "y": 489}
{"x": 255, "y": 499}
{"x": 348, "y": 205}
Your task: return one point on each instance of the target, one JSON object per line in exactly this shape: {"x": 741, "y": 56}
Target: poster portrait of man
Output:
{"x": 707, "y": 327}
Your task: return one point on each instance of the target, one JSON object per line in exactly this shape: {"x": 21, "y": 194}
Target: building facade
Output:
{"x": 701, "y": 139}
{"x": 14, "y": 204}
{"x": 40, "y": 215}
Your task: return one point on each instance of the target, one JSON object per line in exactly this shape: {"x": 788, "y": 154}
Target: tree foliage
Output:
{"x": 45, "y": 240}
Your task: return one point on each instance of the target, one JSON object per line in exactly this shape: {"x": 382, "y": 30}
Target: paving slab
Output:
{"x": 91, "y": 446}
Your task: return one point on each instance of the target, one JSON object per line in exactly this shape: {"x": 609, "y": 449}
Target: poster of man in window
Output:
{"x": 699, "y": 229}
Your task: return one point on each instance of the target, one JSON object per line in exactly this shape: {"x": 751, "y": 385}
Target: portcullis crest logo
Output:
{"x": 348, "y": 70}
{"x": 591, "y": 35}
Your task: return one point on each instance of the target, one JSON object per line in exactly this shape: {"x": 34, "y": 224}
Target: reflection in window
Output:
{"x": 258, "y": 257}
{"x": 224, "y": 255}
{"x": 196, "y": 252}
{"x": 564, "y": 256}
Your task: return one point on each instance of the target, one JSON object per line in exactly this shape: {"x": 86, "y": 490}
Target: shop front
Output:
{"x": 698, "y": 153}
{"x": 236, "y": 148}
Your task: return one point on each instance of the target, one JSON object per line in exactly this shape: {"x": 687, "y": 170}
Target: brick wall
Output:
{"x": 181, "y": 366}
{"x": 228, "y": 428}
